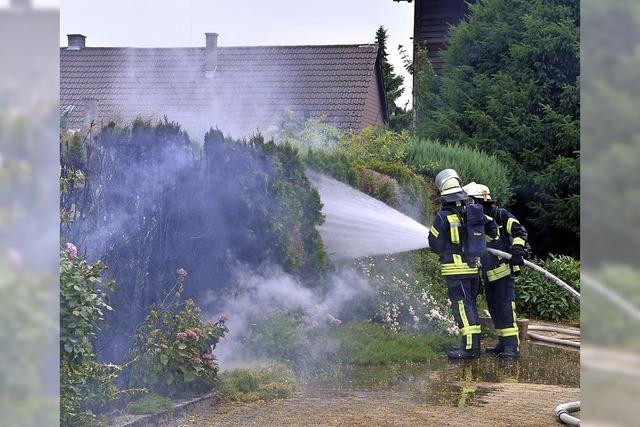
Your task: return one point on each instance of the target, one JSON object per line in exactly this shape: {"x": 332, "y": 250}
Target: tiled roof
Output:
{"x": 249, "y": 88}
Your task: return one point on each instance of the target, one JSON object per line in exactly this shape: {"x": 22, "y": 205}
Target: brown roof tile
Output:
{"x": 250, "y": 87}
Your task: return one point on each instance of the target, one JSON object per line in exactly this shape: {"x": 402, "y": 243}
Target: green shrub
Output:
{"x": 275, "y": 381}
{"x": 379, "y": 186}
{"x": 382, "y": 151}
{"x": 82, "y": 303}
{"x": 540, "y": 298}
{"x": 278, "y": 335}
{"x": 373, "y": 344}
{"x": 150, "y": 404}
{"x": 85, "y": 385}
{"x": 311, "y": 134}
{"x": 430, "y": 157}
{"x": 376, "y": 144}
{"x": 173, "y": 347}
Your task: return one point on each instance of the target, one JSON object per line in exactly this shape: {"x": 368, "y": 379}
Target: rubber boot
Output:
{"x": 499, "y": 348}
{"x": 511, "y": 349}
{"x": 460, "y": 353}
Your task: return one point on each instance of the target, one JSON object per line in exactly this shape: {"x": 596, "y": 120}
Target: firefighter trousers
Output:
{"x": 501, "y": 296}
{"x": 463, "y": 294}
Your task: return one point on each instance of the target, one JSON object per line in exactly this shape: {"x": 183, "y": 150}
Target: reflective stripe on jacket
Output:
{"x": 510, "y": 233}
{"x": 447, "y": 238}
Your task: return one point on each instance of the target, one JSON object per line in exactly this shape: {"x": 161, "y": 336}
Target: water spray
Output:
{"x": 357, "y": 225}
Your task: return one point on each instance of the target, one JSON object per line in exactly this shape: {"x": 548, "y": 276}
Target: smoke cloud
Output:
{"x": 269, "y": 289}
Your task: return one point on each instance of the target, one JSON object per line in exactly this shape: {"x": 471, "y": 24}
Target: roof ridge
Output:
{"x": 231, "y": 47}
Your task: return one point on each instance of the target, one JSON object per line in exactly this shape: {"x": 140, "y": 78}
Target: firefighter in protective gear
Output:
{"x": 448, "y": 238}
{"x": 497, "y": 273}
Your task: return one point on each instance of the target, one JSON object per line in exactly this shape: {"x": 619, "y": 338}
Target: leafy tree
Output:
{"x": 511, "y": 88}
{"x": 399, "y": 118}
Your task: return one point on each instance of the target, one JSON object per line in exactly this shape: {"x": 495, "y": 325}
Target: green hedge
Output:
{"x": 539, "y": 298}
{"x": 430, "y": 157}
{"x": 382, "y": 151}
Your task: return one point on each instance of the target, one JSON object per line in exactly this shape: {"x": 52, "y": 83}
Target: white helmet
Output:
{"x": 477, "y": 191}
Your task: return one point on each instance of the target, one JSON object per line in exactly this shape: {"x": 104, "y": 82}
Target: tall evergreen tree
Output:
{"x": 399, "y": 118}
{"x": 511, "y": 88}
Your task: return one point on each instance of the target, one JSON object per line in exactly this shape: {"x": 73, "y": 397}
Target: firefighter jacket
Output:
{"x": 510, "y": 234}
{"x": 448, "y": 236}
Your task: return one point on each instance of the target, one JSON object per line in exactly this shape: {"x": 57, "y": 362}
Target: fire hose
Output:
{"x": 542, "y": 271}
{"x": 562, "y": 411}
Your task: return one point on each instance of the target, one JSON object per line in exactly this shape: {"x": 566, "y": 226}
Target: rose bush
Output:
{"x": 86, "y": 385}
{"x": 173, "y": 347}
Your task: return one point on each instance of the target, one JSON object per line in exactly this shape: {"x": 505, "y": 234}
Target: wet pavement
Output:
{"x": 487, "y": 391}
{"x": 443, "y": 382}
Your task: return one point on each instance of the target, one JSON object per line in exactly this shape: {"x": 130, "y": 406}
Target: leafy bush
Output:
{"x": 311, "y": 134}
{"x": 85, "y": 388}
{"x": 430, "y": 157}
{"x": 376, "y": 144}
{"x": 539, "y": 298}
{"x": 373, "y": 344}
{"x": 173, "y": 347}
{"x": 275, "y": 381}
{"x": 377, "y": 150}
{"x": 85, "y": 385}
{"x": 379, "y": 186}
{"x": 277, "y": 335}
{"x": 82, "y": 304}
{"x": 151, "y": 403}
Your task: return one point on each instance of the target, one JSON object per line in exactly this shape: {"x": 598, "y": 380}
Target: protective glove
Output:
{"x": 516, "y": 259}
{"x": 517, "y": 254}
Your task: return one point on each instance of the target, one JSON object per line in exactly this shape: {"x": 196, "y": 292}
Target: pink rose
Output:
{"x": 209, "y": 356}
{"x": 71, "y": 250}
{"x": 223, "y": 318}
{"x": 213, "y": 365}
{"x": 181, "y": 272}
{"x": 181, "y": 335}
{"x": 197, "y": 361}
{"x": 334, "y": 321}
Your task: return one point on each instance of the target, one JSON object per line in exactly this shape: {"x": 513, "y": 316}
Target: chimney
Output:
{"x": 75, "y": 41}
{"x": 211, "y": 54}
{"x": 20, "y": 5}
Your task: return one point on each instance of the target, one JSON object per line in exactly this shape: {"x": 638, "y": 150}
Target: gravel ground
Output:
{"x": 506, "y": 404}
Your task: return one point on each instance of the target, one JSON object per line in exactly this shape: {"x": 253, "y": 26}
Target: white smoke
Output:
{"x": 271, "y": 288}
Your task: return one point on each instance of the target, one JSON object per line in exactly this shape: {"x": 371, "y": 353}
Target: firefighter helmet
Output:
{"x": 477, "y": 191}
{"x": 449, "y": 185}
{"x": 448, "y": 182}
